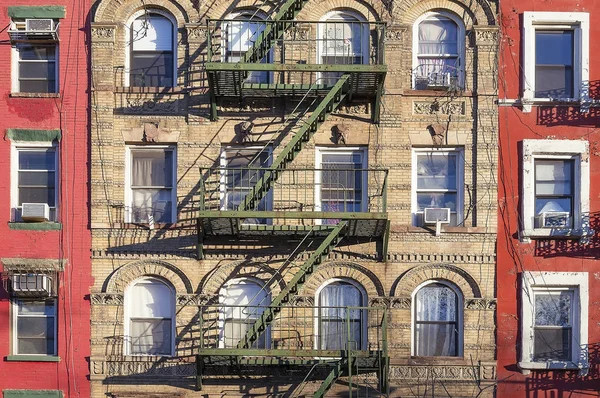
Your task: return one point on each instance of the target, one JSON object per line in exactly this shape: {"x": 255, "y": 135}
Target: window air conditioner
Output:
{"x": 32, "y": 283}
{"x": 442, "y": 80}
{"x": 554, "y": 219}
{"x": 433, "y": 215}
{"x": 35, "y": 212}
{"x": 39, "y": 25}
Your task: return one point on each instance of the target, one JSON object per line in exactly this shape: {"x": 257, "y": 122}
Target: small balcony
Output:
{"x": 255, "y": 58}
{"x": 437, "y": 76}
{"x": 299, "y": 200}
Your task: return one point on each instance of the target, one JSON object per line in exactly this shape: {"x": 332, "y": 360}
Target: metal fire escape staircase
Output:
{"x": 228, "y": 80}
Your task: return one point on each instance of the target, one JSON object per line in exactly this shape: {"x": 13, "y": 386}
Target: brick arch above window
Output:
{"x": 212, "y": 283}
{"x": 344, "y": 270}
{"x": 411, "y": 10}
{"x": 122, "y": 277}
{"x": 413, "y": 278}
{"x": 118, "y": 11}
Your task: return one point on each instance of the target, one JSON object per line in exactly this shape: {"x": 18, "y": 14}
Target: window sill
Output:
{"x": 448, "y": 230}
{"x": 32, "y": 358}
{"x": 35, "y": 226}
{"x": 125, "y": 225}
{"x": 149, "y": 90}
{"x": 436, "y": 93}
{"x": 441, "y": 360}
{"x": 34, "y": 95}
{"x": 551, "y": 365}
{"x": 553, "y": 233}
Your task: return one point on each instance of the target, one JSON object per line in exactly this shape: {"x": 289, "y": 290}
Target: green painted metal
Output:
{"x": 331, "y": 378}
{"x": 300, "y": 353}
{"x": 32, "y": 394}
{"x": 249, "y": 67}
{"x": 291, "y": 215}
{"x": 35, "y": 226}
{"x": 33, "y": 135}
{"x": 386, "y": 241}
{"x": 292, "y": 286}
{"x": 32, "y": 358}
{"x": 289, "y": 152}
{"x": 53, "y": 12}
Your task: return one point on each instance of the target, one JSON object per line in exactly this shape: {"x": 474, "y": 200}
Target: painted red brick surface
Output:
{"x": 69, "y": 113}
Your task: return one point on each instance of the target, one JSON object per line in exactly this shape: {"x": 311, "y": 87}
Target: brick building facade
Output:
{"x": 547, "y": 235}
{"x": 277, "y": 206}
{"x": 44, "y": 250}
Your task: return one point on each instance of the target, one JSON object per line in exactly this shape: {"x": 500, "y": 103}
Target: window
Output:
{"x": 437, "y": 323}
{"x": 340, "y": 312}
{"x": 438, "y": 183}
{"x": 152, "y": 56}
{"x": 242, "y": 32}
{"x": 35, "y": 327}
{"x": 554, "y": 316}
{"x": 341, "y": 180}
{"x": 555, "y": 196}
{"x": 438, "y": 51}
{"x": 35, "y": 179}
{"x": 150, "y": 315}
{"x": 241, "y": 171}
{"x": 36, "y": 68}
{"x": 556, "y": 64}
{"x": 343, "y": 40}
{"x": 243, "y": 302}
{"x": 151, "y": 184}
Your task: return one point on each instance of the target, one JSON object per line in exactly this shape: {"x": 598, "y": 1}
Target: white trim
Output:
{"x": 127, "y": 315}
{"x": 556, "y": 149}
{"x": 460, "y": 183}
{"x": 460, "y": 42}
{"x": 459, "y": 315}
{"x": 128, "y": 195}
{"x": 133, "y": 17}
{"x": 18, "y": 146}
{"x": 539, "y": 281}
{"x": 364, "y": 313}
{"x": 579, "y": 22}
{"x": 14, "y": 67}
{"x": 15, "y": 316}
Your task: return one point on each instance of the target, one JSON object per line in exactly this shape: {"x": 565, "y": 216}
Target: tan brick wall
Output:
{"x": 123, "y": 252}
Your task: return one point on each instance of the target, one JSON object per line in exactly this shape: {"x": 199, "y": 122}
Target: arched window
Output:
{"x": 243, "y": 301}
{"x": 437, "y": 320}
{"x": 149, "y": 318}
{"x": 343, "y": 40}
{"x": 438, "y": 51}
{"x": 335, "y": 317}
{"x": 241, "y": 32}
{"x": 152, "y": 49}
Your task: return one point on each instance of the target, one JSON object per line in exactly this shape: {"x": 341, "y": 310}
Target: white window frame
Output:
{"x": 15, "y": 318}
{"x": 460, "y": 180}
{"x": 579, "y": 22}
{"x": 460, "y": 42}
{"x": 223, "y": 295}
{"x": 15, "y": 87}
{"x": 319, "y": 152}
{"x": 364, "y": 313}
{"x": 459, "y": 315}
{"x": 338, "y": 16}
{"x": 543, "y": 282}
{"x": 128, "y": 190}
{"x": 556, "y": 149}
{"x": 14, "y": 167}
{"x": 133, "y": 17}
{"x": 127, "y": 315}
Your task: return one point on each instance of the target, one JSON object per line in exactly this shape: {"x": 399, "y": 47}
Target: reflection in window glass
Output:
{"x": 37, "y": 68}
{"x": 336, "y": 319}
{"x": 151, "y": 51}
{"x": 554, "y": 192}
{"x": 554, "y": 57}
{"x": 553, "y": 325}
{"x": 37, "y": 178}
{"x": 36, "y": 327}
{"x": 436, "y": 321}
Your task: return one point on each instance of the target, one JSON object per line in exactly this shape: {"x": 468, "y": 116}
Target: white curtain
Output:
{"x": 243, "y": 303}
{"x": 438, "y": 45}
{"x": 553, "y": 177}
{"x": 436, "y": 324}
{"x": 151, "y": 305}
{"x": 333, "y": 333}
{"x": 151, "y": 185}
{"x": 152, "y": 33}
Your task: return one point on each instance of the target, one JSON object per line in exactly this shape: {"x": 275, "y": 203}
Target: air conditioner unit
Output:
{"x": 35, "y": 212}
{"x": 32, "y": 283}
{"x": 554, "y": 219}
{"x": 442, "y": 80}
{"x": 39, "y": 25}
{"x": 433, "y": 215}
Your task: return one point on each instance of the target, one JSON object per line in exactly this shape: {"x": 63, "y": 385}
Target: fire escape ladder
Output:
{"x": 273, "y": 31}
{"x": 293, "y": 286}
{"x": 331, "y": 378}
{"x": 304, "y": 133}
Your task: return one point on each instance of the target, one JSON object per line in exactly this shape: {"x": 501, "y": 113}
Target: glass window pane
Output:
{"x": 436, "y": 171}
{"x": 434, "y": 199}
{"x": 32, "y": 346}
{"x": 37, "y": 195}
{"x": 554, "y": 64}
{"x": 151, "y": 337}
{"x": 152, "y": 32}
{"x": 41, "y": 327}
{"x": 153, "y": 168}
{"x": 37, "y": 86}
{"x": 33, "y": 178}
{"x": 438, "y": 35}
{"x": 36, "y": 307}
{"x": 37, "y": 160}
{"x": 554, "y": 177}
{"x": 436, "y": 302}
{"x": 151, "y": 69}
{"x": 544, "y": 205}
{"x": 151, "y": 299}
{"x": 36, "y": 70}
{"x": 36, "y": 53}
{"x": 552, "y": 344}
{"x": 436, "y": 339}
{"x": 553, "y": 309}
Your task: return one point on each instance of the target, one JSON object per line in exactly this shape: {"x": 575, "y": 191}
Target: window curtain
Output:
{"x": 152, "y": 33}
{"x": 436, "y": 321}
{"x": 243, "y": 304}
{"x": 333, "y": 333}
{"x": 438, "y": 45}
{"x": 241, "y": 36}
{"x": 151, "y": 305}
{"x": 152, "y": 169}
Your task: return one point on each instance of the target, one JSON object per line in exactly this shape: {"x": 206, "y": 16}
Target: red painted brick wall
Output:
{"x": 515, "y": 257}
{"x": 69, "y": 113}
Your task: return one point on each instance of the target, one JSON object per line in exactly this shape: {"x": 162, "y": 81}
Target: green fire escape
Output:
{"x": 316, "y": 67}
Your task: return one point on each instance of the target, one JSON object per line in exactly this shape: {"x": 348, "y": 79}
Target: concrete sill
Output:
{"x": 552, "y": 233}
{"x": 448, "y": 230}
{"x": 527, "y": 367}
{"x": 35, "y": 226}
{"x": 32, "y": 358}
{"x": 435, "y": 93}
{"x": 149, "y": 90}
{"x": 34, "y": 95}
